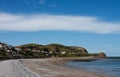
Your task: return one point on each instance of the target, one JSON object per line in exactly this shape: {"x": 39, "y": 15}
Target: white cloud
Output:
{"x": 38, "y": 22}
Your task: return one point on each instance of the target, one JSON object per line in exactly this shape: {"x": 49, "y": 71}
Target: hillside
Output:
{"x": 41, "y": 51}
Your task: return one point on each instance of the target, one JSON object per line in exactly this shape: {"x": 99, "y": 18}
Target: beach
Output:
{"x": 54, "y": 67}
{"x": 13, "y": 68}
{"x": 46, "y": 67}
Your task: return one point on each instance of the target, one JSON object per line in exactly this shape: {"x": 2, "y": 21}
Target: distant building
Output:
{"x": 18, "y": 48}
{"x": 63, "y": 52}
{"x": 0, "y": 46}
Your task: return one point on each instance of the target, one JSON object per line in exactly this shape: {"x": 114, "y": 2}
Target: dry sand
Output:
{"x": 13, "y": 68}
{"x": 53, "y": 67}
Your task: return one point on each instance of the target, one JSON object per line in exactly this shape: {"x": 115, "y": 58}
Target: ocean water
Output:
{"x": 109, "y": 67}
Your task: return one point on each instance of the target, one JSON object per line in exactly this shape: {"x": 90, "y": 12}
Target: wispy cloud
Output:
{"x": 38, "y": 3}
{"x": 38, "y": 22}
{"x": 34, "y": 3}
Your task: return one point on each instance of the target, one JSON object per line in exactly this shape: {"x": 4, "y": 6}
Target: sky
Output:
{"x": 92, "y": 24}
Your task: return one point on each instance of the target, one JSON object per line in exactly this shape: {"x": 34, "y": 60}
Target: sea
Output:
{"x": 109, "y": 66}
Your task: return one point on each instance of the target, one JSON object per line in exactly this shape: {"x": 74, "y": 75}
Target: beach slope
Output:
{"x": 14, "y": 68}
{"x": 54, "y": 67}
{"x": 49, "y": 67}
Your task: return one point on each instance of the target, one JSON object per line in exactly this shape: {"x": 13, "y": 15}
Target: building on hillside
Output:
{"x": 63, "y": 52}
{"x": 18, "y": 48}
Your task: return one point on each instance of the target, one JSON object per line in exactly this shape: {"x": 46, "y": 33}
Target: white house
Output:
{"x": 63, "y": 52}
{"x": 0, "y": 46}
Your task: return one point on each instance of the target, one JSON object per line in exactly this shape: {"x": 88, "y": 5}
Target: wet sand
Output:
{"x": 54, "y": 67}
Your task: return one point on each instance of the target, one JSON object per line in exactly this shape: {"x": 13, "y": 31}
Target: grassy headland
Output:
{"x": 43, "y": 51}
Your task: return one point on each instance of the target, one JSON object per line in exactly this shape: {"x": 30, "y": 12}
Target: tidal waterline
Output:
{"x": 108, "y": 66}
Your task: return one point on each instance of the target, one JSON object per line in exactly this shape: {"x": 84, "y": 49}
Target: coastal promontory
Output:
{"x": 34, "y": 50}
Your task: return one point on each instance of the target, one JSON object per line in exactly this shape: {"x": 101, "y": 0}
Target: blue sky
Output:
{"x": 93, "y": 24}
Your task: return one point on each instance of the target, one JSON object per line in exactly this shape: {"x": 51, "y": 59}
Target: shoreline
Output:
{"x": 55, "y": 67}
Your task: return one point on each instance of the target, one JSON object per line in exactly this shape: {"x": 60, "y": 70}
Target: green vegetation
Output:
{"x": 51, "y": 50}
{"x": 2, "y": 53}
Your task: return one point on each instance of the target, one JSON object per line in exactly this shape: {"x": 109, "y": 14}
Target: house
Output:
{"x": 63, "y": 52}
{"x": 18, "y": 48}
{"x": 0, "y": 46}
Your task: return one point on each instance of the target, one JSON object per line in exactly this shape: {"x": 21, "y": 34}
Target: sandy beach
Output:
{"x": 13, "y": 68}
{"x": 54, "y": 67}
{"x": 46, "y": 67}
